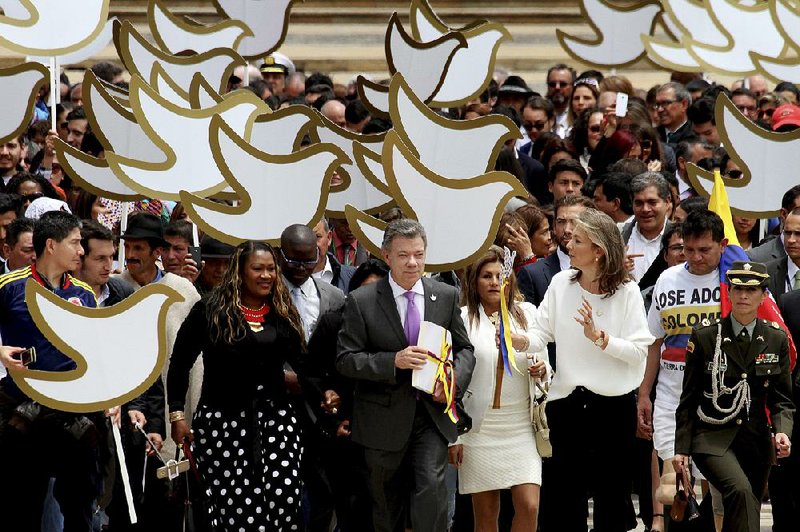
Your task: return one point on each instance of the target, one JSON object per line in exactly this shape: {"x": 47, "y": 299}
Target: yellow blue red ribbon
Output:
{"x": 445, "y": 373}
{"x": 506, "y": 348}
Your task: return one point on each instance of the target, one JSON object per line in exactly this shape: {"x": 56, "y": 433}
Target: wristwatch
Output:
{"x": 600, "y": 340}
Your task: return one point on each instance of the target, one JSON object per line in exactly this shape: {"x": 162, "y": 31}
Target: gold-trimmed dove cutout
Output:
{"x": 471, "y": 68}
{"x": 618, "y": 31}
{"x": 21, "y": 86}
{"x": 104, "y": 377}
{"x": 746, "y": 28}
{"x": 46, "y": 32}
{"x": 274, "y": 190}
{"x": 139, "y": 56}
{"x": 374, "y": 96}
{"x": 268, "y": 21}
{"x": 440, "y": 204}
{"x": 281, "y": 132}
{"x": 435, "y": 140}
{"x": 423, "y": 64}
{"x": 93, "y": 174}
{"x": 768, "y": 161}
{"x": 787, "y": 22}
{"x": 182, "y": 134}
{"x": 173, "y": 34}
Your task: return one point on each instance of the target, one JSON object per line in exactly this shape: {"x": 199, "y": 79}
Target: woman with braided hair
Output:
{"x": 245, "y": 432}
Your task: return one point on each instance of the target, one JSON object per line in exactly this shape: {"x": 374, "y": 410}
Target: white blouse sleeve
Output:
{"x": 631, "y": 342}
{"x": 540, "y": 328}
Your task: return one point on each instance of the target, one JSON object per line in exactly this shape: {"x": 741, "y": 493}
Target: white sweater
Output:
{"x": 614, "y": 371}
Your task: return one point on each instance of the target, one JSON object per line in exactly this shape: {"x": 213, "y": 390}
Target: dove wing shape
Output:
{"x": 176, "y": 35}
{"x": 435, "y": 139}
{"x": 45, "y": 33}
{"x": 669, "y": 55}
{"x": 374, "y": 96}
{"x": 268, "y": 21}
{"x": 690, "y": 18}
{"x": 424, "y": 65}
{"x": 281, "y": 132}
{"x": 618, "y": 31}
{"x": 439, "y": 204}
{"x": 300, "y": 179}
{"x": 748, "y": 29}
{"x": 787, "y": 21}
{"x": 20, "y": 86}
{"x": 105, "y": 376}
{"x": 183, "y": 135}
{"x": 769, "y": 161}
{"x": 472, "y": 67}
{"x": 91, "y": 49}
{"x": 93, "y": 174}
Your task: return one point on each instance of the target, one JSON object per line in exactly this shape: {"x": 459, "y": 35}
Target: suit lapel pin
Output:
{"x": 759, "y": 337}
{"x": 726, "y": 339}
{"x": 433, "y": 297}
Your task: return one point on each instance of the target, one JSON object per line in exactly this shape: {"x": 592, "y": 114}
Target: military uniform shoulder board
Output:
{"x": 690, "y": 347}
{"x": 705, "y": 322}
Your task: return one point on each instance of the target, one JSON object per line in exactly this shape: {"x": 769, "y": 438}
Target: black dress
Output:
{"x": 247, "y": 440}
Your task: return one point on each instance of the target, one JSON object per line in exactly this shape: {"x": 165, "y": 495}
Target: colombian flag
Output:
{"x": 768, "y": 310}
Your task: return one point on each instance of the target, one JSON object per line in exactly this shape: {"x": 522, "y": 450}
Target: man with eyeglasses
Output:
{"x": 785, "y": 272}
{"x": 746, "y": 102}
{"x": 560, "y": 78}
{"x": 538, "y": 117}
{"x": 672, "y": 101}
{"x": 773, "y": 247}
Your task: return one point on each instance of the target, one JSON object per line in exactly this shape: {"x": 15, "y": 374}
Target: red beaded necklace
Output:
{"x": 254, "y": 315}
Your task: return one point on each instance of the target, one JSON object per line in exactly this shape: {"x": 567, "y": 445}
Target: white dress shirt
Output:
{"x": 326, "y": 273}
{"x": 563, "y": 260}
{"x": 306, "y": 299}
{"x": 639, "y": 244}
{"x": 398, "y": 292}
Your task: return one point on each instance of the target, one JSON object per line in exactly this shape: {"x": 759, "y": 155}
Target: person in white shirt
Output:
{"x": 601, "y": 355}
{"x": 652, "y": 201}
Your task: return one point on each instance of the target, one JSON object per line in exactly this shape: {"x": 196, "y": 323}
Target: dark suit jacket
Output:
{"x": 535, "y": 179}
{"x": 769, "y": 250}
{"x": 372, "y": 334}
{"x": 683, "y": 132}
{"x": 789, "y": 305}
{"x": 770, "y": 387}
{"x": 778, "y": 269}
{"x": 533, "y": 279}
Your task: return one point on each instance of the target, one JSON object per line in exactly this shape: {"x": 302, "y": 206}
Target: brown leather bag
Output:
{"x": 684, "y": 505}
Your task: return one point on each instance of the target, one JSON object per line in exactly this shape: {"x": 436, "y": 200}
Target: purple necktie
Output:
{"x": 411, "y": 326}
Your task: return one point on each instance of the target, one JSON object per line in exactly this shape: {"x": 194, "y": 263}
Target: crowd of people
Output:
{"x": 289, "y": 385}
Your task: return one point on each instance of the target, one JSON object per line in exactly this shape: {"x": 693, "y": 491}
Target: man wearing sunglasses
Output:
{"x": 538, "y": 117}
{"x": 560, "y": 78}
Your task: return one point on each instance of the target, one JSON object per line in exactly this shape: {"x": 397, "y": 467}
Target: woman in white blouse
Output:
{"x": 595, "y": 315}
{"x": 500, "y": 450}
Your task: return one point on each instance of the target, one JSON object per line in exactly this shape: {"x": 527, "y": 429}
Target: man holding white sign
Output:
{"x": 404, "y": 431}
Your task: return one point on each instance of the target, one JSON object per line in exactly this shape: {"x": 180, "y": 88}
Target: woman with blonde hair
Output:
{"x": 246, "y": 436}
{"x": 600, "y": 361}
{"x": 500, "y": 450}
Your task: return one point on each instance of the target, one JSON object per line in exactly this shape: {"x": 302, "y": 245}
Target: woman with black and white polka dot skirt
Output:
{"x": 245, "y": 432}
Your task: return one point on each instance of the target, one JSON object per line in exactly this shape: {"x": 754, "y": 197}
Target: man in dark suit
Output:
{"x": 672, "y": 101}
{"x": 404, "y": 432}
{"x": 784, "y": 272}
{"x": 773, "y": 248}
{"x": 728, "y": 434}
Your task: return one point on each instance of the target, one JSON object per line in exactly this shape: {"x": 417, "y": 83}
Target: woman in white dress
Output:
{"x": 500, "y": 450}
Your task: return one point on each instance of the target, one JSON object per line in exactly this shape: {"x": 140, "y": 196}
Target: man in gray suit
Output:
{"x": 404, "y": 432}
{"x": 785, "y": 272}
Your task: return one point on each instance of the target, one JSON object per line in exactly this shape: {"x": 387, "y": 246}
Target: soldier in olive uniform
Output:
{"x": 736, "y": 369}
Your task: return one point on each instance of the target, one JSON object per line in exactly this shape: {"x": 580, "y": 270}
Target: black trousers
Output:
{"x": 742, "y": 482}
{"x": 35, "y": 450}
{"x": 784, "y": 493}
{"x": 593, "y": 439}
{"x": 417, "y": 470}
{"x": 347, "y": 474}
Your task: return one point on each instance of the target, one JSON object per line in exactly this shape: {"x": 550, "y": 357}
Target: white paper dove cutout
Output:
{"x": 768, "y": 160}
{"x": 21, "y": 85}
{"x": 618, "y": 29}
{"x": 182, "y": 134}
{"x": 458, "y": 149}
{"x": 93, "y": 174}
{"x": 787, "y": 22}
{"x": 104, "y": 377}
{"x": 423, "y": 64}
{"x": 747, "y": 29}
{"x": 47, "y": 32}
{"x": 471, "y": 68}
{"x": 358, "y": 189}
{"x": 175, "y": 35}
{"x": 275, "y": 190}
{"x": 440, "y": 204}
{"x": 268, "y": 20}
{"x": 91, "y": 49}
{"x": 140, "y": 57}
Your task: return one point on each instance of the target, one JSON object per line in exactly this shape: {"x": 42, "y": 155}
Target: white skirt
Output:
{"x": 502, "y": 454}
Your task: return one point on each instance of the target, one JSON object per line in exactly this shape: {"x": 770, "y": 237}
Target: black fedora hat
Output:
{"x": 148, "y": 227}
{"x": 211, "y": 248}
